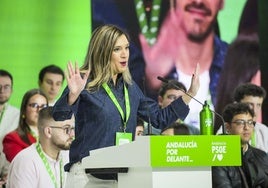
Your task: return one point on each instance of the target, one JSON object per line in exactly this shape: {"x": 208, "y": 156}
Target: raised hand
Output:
{"x": 194, "y": 87}
{"x": 195, "y": 84}
{"x": 76, "y": 82}
{"x": 160, "y": 57}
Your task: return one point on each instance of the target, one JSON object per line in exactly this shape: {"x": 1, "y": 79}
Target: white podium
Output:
{"x": 136, "y": 157}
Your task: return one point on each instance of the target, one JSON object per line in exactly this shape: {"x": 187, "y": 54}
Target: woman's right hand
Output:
{"x": 194, "y": 87}
{"x": 195, "y": 83}
{"x": 76, "y": 82}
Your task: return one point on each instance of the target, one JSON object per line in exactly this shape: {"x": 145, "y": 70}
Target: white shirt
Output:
{"x": 4, "y": 164}
{"x": 28, "y": 170}
{"x": 9, "y": 122}
{"x": 261, "y": 135}
{"x": 202, "y": 95}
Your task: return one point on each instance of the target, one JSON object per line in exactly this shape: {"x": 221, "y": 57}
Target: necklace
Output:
{"x": 149, "y": 28}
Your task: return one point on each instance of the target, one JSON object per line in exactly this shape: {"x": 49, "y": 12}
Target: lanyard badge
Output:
{"x": 121, "y": 137}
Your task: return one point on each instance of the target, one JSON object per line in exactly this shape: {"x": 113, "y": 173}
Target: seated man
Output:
{"x": 4, "y": 165}
{"x": 254, "y": 95}
{"x": 176, "y": 128}
{"x": 41, "y": 164}
{"x": 169, "y": 92}
{"x": 254, "y": 169}
{"x": 50, "y": 82}
{"x": 139, "y": 127}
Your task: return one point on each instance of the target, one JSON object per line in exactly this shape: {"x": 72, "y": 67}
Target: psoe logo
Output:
{"x": 208, "y": 122}
{"x": 218, "y": 152}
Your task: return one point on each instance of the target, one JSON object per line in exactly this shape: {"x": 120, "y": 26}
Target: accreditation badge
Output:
{"x": 123, "y": 138}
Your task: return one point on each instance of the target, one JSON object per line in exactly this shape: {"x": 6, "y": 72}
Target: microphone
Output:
{"x": 149, "y": 124}
{"x": 167, "y": 81}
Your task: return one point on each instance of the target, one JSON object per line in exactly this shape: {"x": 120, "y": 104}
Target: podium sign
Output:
{"x": 174, "y": 151}
{"x": 166, "y": 161}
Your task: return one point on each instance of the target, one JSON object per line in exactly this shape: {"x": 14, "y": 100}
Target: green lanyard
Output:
{"x": 48, "y": 168}
{"x": 253, "y": 138}
{"x": 34, "y": 134}
{"x": 149, "y": 30}
{"x": 2, "y": 113}
{"x": 115, "y": 101}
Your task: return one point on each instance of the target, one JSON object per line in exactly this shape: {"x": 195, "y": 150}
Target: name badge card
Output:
{"x": 123, "y": 138}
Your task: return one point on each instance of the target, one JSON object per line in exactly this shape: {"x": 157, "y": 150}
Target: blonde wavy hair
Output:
{"x": 98, "y": 58}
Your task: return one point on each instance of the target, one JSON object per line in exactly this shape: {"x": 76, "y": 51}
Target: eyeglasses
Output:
{"x": 242, "y": 123}
{"x": 67, "y": 130}
{"x": 37, "y": 106}
{"x": 172, "y": 97}
{"x": 5, "y": 88}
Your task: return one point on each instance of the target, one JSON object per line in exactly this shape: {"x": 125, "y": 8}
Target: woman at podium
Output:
{"x": 106, "y": 103}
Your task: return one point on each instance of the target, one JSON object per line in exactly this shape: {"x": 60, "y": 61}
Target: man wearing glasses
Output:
{"x": 9, "y": 118}
{"x": 9, "y": 115}
{"x": 254, "y": 169}
{"x": 42, "y": 164}
{"x": 254, "y": 95}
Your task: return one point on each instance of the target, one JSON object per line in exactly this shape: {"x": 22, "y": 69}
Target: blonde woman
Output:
{"x": 106, "y": 103}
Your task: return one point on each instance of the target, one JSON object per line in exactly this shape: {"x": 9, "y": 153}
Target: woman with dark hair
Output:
{"x": 241, "y": 66}
{"x": 26, "y": 133}
{"x": 248, "y": 23}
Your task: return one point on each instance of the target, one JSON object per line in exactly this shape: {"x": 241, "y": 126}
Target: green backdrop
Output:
{"x": 34, "y": 34}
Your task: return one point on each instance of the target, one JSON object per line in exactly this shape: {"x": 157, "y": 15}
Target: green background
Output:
{"x": 34, "y": 34}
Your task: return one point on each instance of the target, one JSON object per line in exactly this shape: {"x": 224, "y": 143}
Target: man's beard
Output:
{"x": 3, "y": 102}
{"x": 63, "y": 146}
{"x": 200, "y": 37}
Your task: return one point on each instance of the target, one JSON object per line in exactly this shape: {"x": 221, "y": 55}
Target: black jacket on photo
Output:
{"x": 253, "y": 173}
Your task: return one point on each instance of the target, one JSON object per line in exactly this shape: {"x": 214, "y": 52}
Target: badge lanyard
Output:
{"x": 34, "y": 134}
{"x": 48, "y": 168}
{"x": 253, "y": 138}
{"x": 149, "y": 30}
{"x": 115, "y": 101}
{"x": 2, "y": 113}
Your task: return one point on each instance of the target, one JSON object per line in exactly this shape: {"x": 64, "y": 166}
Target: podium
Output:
{"x": 166, "y": 161}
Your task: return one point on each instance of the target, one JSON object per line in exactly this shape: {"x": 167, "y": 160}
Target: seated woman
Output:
{"x": 26, "y": 133}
